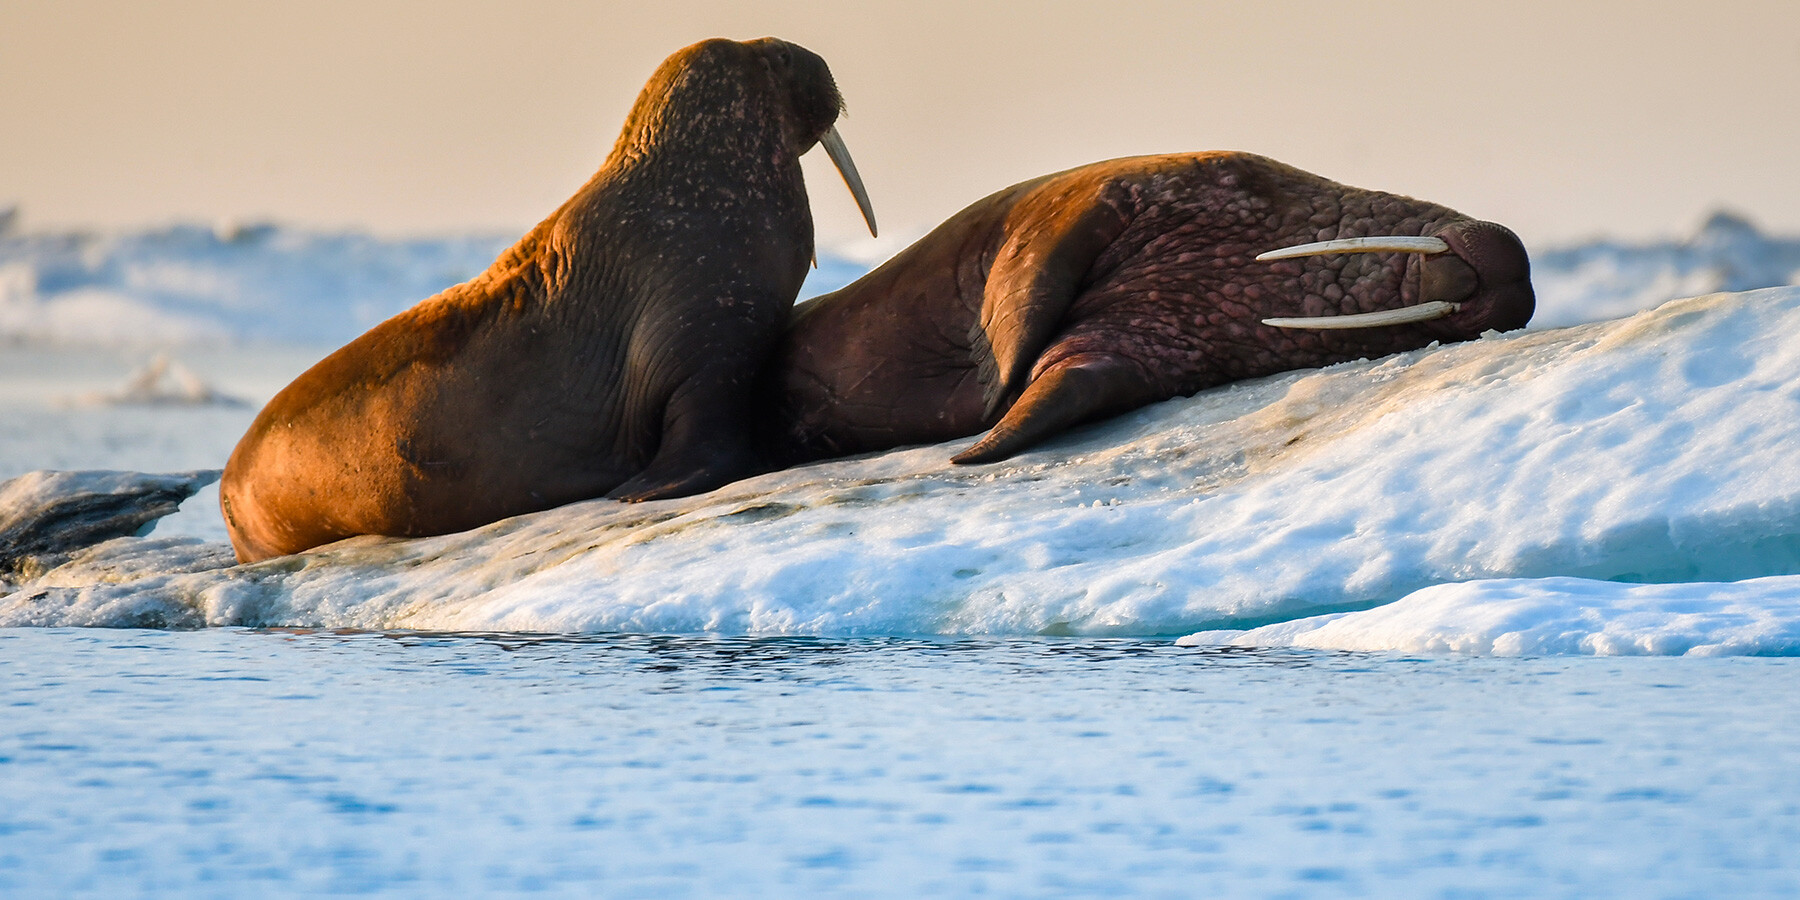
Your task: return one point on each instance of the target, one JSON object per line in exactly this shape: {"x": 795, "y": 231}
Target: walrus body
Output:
{"x": 613, "y": 349}
{"x": 1099, "y": 289}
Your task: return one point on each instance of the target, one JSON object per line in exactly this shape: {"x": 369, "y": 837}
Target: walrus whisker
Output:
{"x": 840, "y": 157}
{"x": 1383, "y": 244}
{"x": 1406, "y": 315}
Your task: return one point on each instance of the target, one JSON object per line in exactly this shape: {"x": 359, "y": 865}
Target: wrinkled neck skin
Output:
{"x": 702, "y": 170}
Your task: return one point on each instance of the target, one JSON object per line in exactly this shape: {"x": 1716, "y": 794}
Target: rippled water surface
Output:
{"x": 235, "y": 763}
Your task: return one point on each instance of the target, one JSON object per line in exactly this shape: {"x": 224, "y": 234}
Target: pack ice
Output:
{"x": 1616, "y": 487}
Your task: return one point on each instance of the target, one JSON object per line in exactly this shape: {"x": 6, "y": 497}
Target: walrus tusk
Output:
{"x": 1403, "y": 244}
{"x": 1406, "y": 315}
{"x": 840, "y": 157}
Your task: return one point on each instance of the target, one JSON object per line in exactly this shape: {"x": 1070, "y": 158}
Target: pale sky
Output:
{"x": 1563, "y": 119}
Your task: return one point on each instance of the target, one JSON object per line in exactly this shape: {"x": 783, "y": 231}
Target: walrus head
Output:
{"x": 1471, "y": 274}
{"x": 816, "y": 104}
{"x": 779, "y": 98}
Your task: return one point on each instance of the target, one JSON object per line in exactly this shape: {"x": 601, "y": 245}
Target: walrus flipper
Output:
{"x": 705, "y": 441}
{"x": 1040, "y": 268}
{"x": 695, "y": 458}
{"x": 682, "y": 476}
{"x": 1074, "y": 390}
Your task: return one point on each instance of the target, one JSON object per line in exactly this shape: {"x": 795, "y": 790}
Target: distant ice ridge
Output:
{"x": 1513, "y": 494}
{"x": 266, "y": 282}
{"x": 195, "y": 283}
{"x": 192, "y": 283}
{"x": 1608, "y": 279}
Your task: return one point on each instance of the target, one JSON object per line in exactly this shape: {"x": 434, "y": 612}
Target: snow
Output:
{"x": 1554, "y": 617}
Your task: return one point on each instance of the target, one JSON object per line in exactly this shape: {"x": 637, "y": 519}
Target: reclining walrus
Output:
{"x": 1097, "y": 290}
{"x": 613, "y": 350}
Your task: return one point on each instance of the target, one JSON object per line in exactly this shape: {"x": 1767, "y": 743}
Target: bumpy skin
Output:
{"x": 613, "y": 349}
{"x": 1093, "y": 291}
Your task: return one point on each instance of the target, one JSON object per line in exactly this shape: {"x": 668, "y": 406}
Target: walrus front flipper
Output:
{"x": 696, "y": 456}
{"x": 705, "y": 440}
{"x": 1074, "y": 390}
{"x": 680, "y": 479}
{"x": 1043, "y": 264}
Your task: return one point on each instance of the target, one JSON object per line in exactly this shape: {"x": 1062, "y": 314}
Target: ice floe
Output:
{"x": 1652, "y": 449}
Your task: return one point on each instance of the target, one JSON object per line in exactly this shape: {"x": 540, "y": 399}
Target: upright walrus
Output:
{"x": 1096, "y": 290}
{"x": 613, "y": 350}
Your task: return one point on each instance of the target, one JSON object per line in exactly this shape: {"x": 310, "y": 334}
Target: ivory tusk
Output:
{"x": 1406, "y": 315}
{"x": 840, "y": 157}
{"x": 1389, "y": 243}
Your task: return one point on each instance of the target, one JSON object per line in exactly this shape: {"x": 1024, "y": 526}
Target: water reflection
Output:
{"x": 799, "y": 658}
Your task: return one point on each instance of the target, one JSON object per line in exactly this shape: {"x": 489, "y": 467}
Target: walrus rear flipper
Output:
{"x": 1074, "y": 390}
{"x": 1044, "y": 263}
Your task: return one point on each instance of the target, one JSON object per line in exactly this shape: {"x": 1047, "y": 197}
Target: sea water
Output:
{"x": 232, "y": 762}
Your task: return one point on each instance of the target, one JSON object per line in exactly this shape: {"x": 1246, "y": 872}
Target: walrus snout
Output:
{"x": 1486, "y": 270}
{"x": 1473, "y": 276}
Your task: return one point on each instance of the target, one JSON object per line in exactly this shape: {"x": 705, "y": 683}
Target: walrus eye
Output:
{"x": 783, "y": 57}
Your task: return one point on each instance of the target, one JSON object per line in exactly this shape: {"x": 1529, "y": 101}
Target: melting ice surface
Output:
{"x": 1595, "y": 489}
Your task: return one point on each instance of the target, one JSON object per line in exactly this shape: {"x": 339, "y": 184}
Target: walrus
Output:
{"x": 612, "y": 351}
{"x": 1093, "y": 291}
